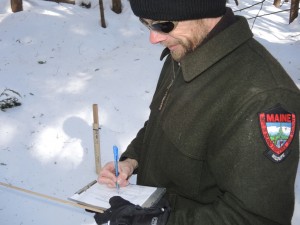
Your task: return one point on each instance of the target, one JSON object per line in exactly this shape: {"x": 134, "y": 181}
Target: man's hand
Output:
{"x": 107, "y": 173}
{"x": 125, "y": 213}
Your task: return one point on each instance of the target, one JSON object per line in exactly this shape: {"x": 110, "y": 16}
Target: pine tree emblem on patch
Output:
{"x": 278, "y": 129}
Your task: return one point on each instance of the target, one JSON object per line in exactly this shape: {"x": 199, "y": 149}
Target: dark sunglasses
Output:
{"x": 160, "y": 26}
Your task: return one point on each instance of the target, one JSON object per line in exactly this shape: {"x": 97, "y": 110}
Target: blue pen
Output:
{"x": 116, "y": 160}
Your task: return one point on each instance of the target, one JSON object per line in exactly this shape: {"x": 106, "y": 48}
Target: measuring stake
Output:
{"x": 96, "y": 138}
{"x": 62, "y": 201}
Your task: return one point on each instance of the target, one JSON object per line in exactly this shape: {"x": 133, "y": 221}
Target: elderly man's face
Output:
{"x": 185, "y": 37}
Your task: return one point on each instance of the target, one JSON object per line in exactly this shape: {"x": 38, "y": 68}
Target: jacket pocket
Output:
{"x": 183, "y": 161}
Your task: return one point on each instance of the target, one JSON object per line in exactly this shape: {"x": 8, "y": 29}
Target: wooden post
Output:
{"x": 116, "y": 6}
{"x": 62, "y": 201}
{"x": 102, "y": 18}
{"x": 16, "y": 5}
{"x": 96, "y": 138}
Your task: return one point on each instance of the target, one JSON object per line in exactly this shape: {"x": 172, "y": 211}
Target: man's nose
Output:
{"x": 156, "y": 37}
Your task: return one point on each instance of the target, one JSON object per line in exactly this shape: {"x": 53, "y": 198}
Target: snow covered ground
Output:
{"x": 61, "y": 61}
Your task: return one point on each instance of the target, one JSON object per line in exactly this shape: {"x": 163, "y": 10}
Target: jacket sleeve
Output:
{"x": 134, "y": 148}
{"x": 253, "y": 189}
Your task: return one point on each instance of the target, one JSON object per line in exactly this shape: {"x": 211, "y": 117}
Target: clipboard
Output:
{"x": 97, "y": 195}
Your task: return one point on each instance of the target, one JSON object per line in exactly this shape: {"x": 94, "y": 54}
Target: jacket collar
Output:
{"x": 225, "y": 22}
{"x": 230, "y": 34}
{"x": 206, "y": 55}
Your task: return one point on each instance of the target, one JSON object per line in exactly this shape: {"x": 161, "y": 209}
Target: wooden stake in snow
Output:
{"x": 96, "y": 138}
{"x": 62, "y": 201}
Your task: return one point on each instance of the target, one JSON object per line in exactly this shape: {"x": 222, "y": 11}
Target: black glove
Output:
{"x": 123, "y": 212}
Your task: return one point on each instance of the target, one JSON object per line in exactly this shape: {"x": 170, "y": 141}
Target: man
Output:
{"x": 222, "y": 135}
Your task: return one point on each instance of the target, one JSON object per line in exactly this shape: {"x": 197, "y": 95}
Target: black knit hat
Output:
{"x": 178, "y": 10}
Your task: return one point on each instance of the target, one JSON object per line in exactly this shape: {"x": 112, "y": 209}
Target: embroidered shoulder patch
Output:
{"x": 278, "y": 130}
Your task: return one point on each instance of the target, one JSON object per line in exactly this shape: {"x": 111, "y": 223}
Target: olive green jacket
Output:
{"x": 203, "y": 140}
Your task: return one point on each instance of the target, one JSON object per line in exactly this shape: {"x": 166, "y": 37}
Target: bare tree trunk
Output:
{"x": 102, "y": 19}
{"x": 16, "y": 5}
{"x": 294, "y": 10}
{"x": 117, "y": 6}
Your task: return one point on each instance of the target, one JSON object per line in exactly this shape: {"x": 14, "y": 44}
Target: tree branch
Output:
{"x": 239, "y": 10}
{"x": 267, "y": 14}
{"x": 63, "y": 1}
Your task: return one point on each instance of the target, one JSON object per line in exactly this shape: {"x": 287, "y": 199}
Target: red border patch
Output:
{"x": 278, "y": 130}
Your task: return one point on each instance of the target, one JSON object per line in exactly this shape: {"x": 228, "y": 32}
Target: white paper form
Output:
{"x": 99, "y": 194}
